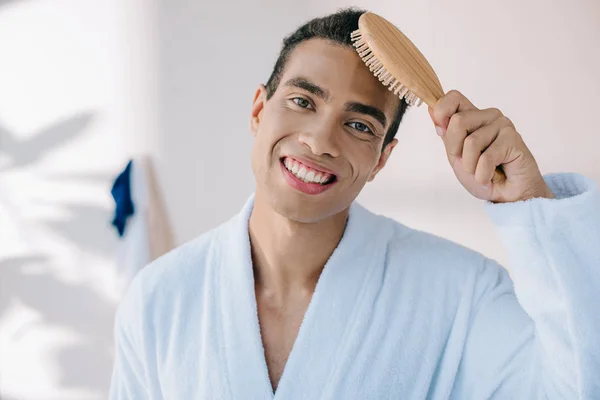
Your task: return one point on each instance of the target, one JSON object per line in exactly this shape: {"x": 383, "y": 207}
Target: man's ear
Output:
{"x": 258, "y": 104}
{"x": 383, "y": 158}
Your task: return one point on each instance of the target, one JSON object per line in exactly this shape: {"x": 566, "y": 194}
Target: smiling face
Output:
{"x": 319, "y": 138}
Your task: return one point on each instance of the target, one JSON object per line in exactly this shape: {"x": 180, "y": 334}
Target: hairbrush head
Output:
{"x": 396, "y": 61}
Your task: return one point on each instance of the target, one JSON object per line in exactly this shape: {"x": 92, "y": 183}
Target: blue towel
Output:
{"x": 121, "y": 193}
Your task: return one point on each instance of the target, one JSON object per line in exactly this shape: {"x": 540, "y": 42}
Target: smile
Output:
{"x": 306, "y": 173}
{"x": 304, "y": 178}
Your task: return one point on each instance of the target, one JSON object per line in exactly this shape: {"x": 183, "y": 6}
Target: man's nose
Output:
{"x": 322, "y": 139}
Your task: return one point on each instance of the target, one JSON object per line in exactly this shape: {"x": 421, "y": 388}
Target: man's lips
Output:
{"x": 307, "y": 182}
{"x": 308, "y": 171}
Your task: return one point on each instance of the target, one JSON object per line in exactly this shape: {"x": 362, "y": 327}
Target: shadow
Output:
{"x": 24, "y": 152}
{"x": 82, "y": 365}
{"x": 84, "y": 178}
{"x": 86, "y": 363}
{"x": 87, "y": 227}
{"x": 2, "y": 4}
{"x": 7, "y": 266}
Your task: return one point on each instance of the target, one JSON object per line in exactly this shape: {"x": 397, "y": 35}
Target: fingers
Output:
{"x": 450, "y": 104}
{"x": 463, "y": 124}
{"x": 501, "y": 151}
{"x": 481, "y": 140}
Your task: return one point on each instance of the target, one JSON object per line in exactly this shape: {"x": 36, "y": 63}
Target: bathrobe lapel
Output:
{"x": 341, "y": 303}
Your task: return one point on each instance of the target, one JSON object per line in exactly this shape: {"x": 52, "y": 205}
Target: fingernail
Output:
{"x": 439, "y": 130}
{"x": 486, "y": 187}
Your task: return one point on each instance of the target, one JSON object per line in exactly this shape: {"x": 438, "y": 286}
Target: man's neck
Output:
{"x": 288, "y": 256}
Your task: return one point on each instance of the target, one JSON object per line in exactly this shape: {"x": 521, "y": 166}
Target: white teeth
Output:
{"x": 302, "y": 173}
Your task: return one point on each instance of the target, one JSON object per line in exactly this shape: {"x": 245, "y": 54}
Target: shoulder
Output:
{"x": 168, "y": 278}
{"x": 439, "y": 272}
{"x": 429, "y": 255}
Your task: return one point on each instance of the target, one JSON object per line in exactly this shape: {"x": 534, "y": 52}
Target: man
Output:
{"x": 307, "y": 295}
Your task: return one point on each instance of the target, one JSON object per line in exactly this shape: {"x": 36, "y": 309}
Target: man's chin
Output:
{"x": 304, "y": 210}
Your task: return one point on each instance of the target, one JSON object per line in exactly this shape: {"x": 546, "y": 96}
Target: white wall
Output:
{"x": 75, "y": 100}
{"x": 92, "y": 82}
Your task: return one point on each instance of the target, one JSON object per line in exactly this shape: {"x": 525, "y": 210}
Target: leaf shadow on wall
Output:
{"x": 84, "y": 231}
{"x": 82, "y": 365}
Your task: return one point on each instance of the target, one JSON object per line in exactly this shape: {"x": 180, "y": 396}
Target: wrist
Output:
{"x": 544, "y": 192}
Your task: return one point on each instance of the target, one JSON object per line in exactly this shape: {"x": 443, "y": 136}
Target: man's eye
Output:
{"x": 359, "y": 126}
{"x": 301, "y": 102}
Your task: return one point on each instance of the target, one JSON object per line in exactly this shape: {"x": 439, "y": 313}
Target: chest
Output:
{"x": 279, "y": 327}
{"x": 368, "y": 359}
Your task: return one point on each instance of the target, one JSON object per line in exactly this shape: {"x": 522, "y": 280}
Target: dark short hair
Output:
{"x": 336, "y": 27}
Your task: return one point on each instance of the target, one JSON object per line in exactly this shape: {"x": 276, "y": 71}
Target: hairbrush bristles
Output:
{"x": 385, "y": 77}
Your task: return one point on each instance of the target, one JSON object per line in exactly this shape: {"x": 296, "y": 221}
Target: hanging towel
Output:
{"x": 140, "y": 219}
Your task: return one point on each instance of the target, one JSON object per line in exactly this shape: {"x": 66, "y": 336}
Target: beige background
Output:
{"x": 86, "y": 84}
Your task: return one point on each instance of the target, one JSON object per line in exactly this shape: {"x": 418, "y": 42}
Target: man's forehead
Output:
{"x": 337, "y": 68}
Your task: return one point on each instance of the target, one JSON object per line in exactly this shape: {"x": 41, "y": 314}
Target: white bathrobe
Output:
{"x": 396, "y": 314}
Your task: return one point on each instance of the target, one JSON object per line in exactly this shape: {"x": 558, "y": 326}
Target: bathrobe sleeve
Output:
{"x": 535, "y": 333}
{"x": 128, "y": 381}
{"x": 130, "y": 368}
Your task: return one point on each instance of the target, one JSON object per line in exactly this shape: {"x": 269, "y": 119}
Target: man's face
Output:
{"x": 319, "y": 138}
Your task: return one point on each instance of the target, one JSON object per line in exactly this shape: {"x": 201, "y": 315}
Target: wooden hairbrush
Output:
{"x": 396, "y": 61}
{"x": 398, "y": 64}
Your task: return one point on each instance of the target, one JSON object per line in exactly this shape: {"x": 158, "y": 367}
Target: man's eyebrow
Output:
{"x": 309, "y": 86}
{"x": 368, "y": 110}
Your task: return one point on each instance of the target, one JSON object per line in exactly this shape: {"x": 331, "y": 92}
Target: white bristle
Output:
{"x": 380, "y": 72}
